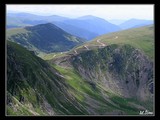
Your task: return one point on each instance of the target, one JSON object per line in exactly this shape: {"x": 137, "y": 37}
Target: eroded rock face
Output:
{"x": 121, "y": 69}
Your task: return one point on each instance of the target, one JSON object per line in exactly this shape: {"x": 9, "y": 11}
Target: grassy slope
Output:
{"x": 141, "y": 38}
{"x": 91, "y": 61}
{"x": 79, "y": 88}
{"x": 31, "y": 83}
{"x": 84, "y": 91}
{"x": 21, "y": 36}
{"x": 91, "y": 101}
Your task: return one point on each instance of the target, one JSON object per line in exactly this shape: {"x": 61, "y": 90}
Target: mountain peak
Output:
{"x": 92, "y": 18}
{"x": 45, "y": 37}
{"x": 88, "y": 17}
{"x": 43, "y": 26}
{"x": 46, "y": 24}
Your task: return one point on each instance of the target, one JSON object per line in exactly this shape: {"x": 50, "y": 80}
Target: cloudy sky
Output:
{"x": 106, "y": 11}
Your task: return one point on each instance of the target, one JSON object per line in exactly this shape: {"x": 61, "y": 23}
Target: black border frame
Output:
{"x": 157, "y": 42}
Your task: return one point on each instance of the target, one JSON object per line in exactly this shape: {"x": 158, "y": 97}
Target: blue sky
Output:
{"x": 106, "y": 11}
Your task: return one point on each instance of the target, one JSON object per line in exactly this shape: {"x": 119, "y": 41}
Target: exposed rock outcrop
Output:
{"x": 120, "y": 68}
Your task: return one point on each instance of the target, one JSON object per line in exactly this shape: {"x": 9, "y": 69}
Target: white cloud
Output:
{"x": 105, "y": 11}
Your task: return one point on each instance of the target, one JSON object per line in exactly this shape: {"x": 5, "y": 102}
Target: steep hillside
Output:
{"x": 118, "y": 65}
{"x": 116, "y": 79}
{"x": 111, "y": 75}
{"x": 35, "y": 88}
{"x": 44, "y": 37}
{"x": 122, "y": 69}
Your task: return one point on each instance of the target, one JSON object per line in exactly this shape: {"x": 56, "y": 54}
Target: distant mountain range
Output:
{"x": 116, "y": 21}
{"x": 87, "y": 27}
{"x": 93, "y": 24}
{"x": 76, "y": 30}
{"x": 133, "y": 23}
{"x": 43, "y": 38}
{"x": 33, "y": 17}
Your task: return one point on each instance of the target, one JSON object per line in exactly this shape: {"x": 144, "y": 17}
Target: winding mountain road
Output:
{"x": 102, "y": 44}
{"x": 75, "y": 51}
{"x": 86, "y": 47}
{"x": 98, "y": 41}
{"x": 116, "y": 37}
{"x": 54, "y": 56}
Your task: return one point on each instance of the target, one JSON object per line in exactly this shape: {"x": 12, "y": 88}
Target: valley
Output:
{"x": 110, "y": 75}
{"x": 80, "y": 60}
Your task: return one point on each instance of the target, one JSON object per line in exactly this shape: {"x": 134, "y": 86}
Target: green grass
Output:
{"x": 48, "y": 83}
{"x": 49, "y": 56}
{"x": 73, "y": 79}
{"x": 14, "y": 31}
{"x": 80, "y": 86}
{"x": 123, "y": 104}
{"x": 35, "y": 74}
{"x": 21, "y": 109}
{"x": 43, "y": 38}
{"x": 141, "y": 38}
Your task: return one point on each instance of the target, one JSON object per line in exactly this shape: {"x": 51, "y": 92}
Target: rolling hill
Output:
{"x": 43, "y": 38}
{"x": 141, "y": 38}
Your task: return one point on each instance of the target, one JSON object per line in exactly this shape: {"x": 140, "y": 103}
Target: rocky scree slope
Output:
{"x": 120, "y": 68}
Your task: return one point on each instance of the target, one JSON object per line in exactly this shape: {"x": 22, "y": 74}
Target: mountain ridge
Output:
{"x": 92, "y": 27}
{"x": 43, "y": 37}
{"x": 34, "y": 87}
{"x": 110, "y": 75}
{"x": 95, "y": 25}
{"x": 62, "y": 91}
